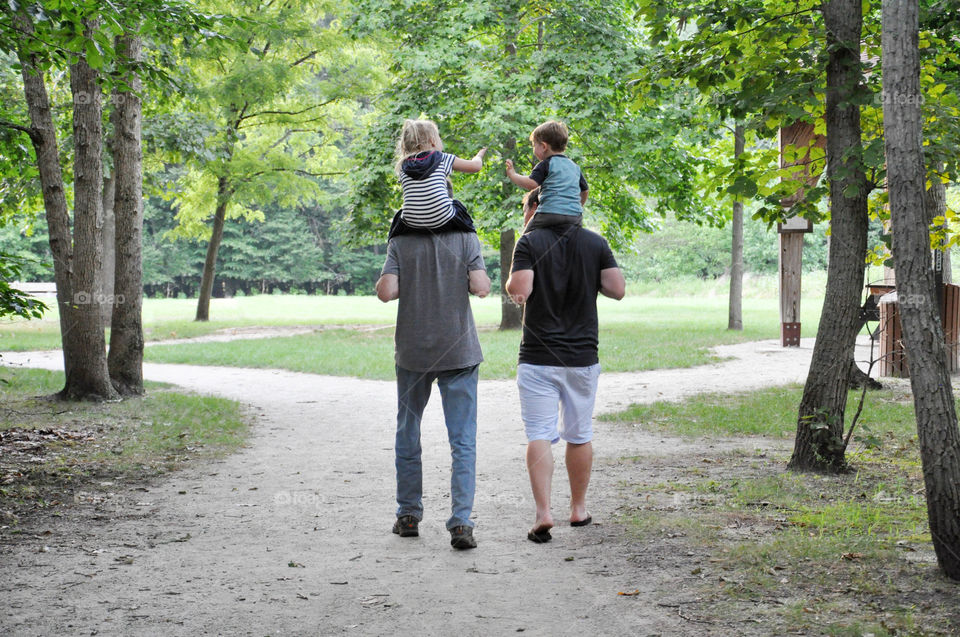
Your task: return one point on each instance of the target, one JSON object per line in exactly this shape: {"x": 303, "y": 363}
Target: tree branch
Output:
{"x": 774, "y": 19}
{"x": 34, "y": 136}
{"x": 305, "y": 58}
{"x": 304, "y": 173}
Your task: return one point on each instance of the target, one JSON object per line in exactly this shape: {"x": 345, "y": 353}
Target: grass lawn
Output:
{"x": 51, "y": 450}
{"x": 796, "y": 553}
{"x": 173, "y": 318}
{"x": 668, "y": 325}
{"x": 638, "y": 333}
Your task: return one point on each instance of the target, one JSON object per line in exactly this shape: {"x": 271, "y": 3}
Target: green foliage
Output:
{"x": 682, "y": 249}
{"x": 290, "y": 248}
{"x": 763, "y": 62}
{"x": 488, "y": 72}
{"x": 269, "y": 112}
{"x": 13, "y": 302}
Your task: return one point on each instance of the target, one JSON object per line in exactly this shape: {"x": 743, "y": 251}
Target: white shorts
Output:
{"x": 557, "y": 402}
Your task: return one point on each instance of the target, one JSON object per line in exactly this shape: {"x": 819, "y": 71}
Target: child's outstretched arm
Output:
{"x": 470, "y": 165}
{"x": 520, "y": 180}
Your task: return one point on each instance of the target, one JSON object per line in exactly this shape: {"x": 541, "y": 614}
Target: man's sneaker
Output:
{"x": 406, "y": 526}
{"x": 461, "y": 537}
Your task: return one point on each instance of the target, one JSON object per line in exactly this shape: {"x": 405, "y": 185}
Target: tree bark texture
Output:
{"x": 735, "y": 314}
{"x": 922, "y": 332}
{"x": 511, "y": 315}
{"x": 44, "y": 140}
{"x": 820, "y": 422}
{"x": 106, "y": 282}
{"x": 210, "y": 265}
{"x": 125, "y": 359}
{"x": 89, "y": 378}
{"x": 937, "y": 207}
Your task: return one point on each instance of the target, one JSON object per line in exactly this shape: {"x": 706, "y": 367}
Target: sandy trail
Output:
{"x": 292, "y": 534}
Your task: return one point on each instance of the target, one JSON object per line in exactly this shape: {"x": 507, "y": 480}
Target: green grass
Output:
{"x": 672, "y": 318}
{"x": 806, "y": 553}
{"x": 127, "y": 440}
{"x": 173, "y": 318}
{"x": 638, "y": 333}
{"x": 770, "y": 412}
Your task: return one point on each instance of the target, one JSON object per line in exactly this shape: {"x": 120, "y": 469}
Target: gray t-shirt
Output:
{"x": 435, "y": 328}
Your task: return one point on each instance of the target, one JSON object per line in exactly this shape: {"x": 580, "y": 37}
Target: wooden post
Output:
{"x": 791, "y": 231}
{"x": 791, "y": 260}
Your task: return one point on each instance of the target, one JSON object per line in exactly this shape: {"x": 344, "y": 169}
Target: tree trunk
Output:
{"x": 937, "y": 207}
{"x": 735, "y": 317}
{"x": 89, "y": 378}
{"x": 125, "y": 359}
{"x": 820, "y": 422}
{"x": 44, "y": 138}
{"x": 106, "y": 282}
{"x": 922, "y": 332}
{"x": 210, "y": 265}
{"x": 511, "y": 315}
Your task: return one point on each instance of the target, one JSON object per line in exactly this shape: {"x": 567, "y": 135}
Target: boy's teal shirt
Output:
{"x": 560, "y": 190}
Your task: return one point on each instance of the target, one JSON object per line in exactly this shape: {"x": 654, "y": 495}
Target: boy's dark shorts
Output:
{"x": 547, "y": 219}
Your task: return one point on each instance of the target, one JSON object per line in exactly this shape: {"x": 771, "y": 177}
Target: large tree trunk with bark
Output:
{"x": 43, "y": 135}
{"x": 89, "y": 378}
{"x": 919, "y": 313}
{"x": 210, "y": 265}
{"x": 735, "y": 314}
{"x": 820, "y": 423}
{"x": 125, "y": 359}
{"x": 511, "y": 314}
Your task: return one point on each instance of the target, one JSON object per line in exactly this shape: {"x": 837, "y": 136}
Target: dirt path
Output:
{"x": 291, "y": 535}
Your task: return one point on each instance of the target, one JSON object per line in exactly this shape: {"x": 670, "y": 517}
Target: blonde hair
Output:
{"x": 416, "y": 136}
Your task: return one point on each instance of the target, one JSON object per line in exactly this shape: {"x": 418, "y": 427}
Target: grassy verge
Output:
{"x": 700, "y": 313}
{"x": 787, "y": 552}
{"x": 51, "y": 451}
{"x": 636, "y": 334}
{"x": 771, "y": 412}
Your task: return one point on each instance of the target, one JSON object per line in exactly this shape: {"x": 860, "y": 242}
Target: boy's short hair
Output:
{"x": 532, "y": 198}
{"x": 553, "y": 133}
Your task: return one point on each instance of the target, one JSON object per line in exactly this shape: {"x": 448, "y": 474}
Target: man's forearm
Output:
{"x": 388, "y": 288}
{"x": 479, "y": 283}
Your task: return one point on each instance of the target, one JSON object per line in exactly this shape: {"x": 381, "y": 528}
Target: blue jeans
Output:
{"x": 458, "y": 391}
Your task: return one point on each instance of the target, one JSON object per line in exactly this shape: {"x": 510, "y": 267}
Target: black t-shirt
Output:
{"x": 560, "y": 317}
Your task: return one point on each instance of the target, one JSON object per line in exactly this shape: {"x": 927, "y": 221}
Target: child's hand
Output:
{"x": 481, "y": 153}
{"x": 509, "y": 164}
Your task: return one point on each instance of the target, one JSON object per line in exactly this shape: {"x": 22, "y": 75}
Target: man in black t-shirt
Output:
{"x": 558, "y": 272}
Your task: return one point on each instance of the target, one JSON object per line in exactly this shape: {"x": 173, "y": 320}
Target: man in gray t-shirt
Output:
{"x": 432, "y": 275}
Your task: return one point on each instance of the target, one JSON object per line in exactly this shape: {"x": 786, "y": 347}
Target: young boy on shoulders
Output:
{"x": 563, "y": 189}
